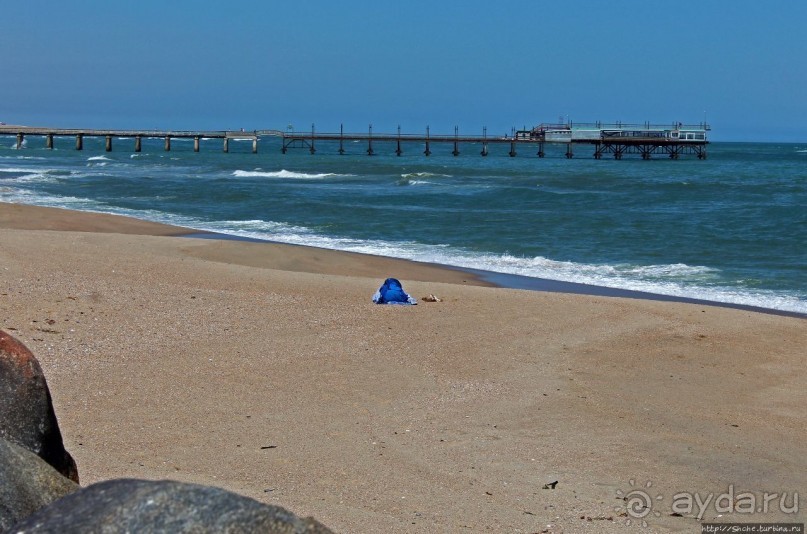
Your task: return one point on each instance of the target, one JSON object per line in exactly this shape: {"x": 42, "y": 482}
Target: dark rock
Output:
{"x": 26, "y": 412}
{"x": 27, "y": 483}
{"x": 144, "y": 506}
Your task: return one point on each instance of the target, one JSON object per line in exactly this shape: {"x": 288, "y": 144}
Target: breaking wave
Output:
{"x": 282, "y": 174}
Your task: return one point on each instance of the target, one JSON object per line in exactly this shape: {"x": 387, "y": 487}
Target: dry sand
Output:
{"x": 265, "y": 369}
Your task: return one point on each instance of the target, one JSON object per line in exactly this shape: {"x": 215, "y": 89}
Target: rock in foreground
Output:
{"x": 27, "y": 483}
{"x": 26, "y": 412}
{"x": 128, "y": 505}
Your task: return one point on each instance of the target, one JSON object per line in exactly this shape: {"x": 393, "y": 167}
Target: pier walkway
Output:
{"x": 615, "y": 139}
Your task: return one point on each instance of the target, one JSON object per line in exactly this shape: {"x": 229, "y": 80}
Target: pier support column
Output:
{"x": 49, "y": 141}
{"x": 79, "y": 141}
{"x": 255, "y": 145}
{"x": 167, "y": 143}
{"x": 227, "y": 145}
{"x": 569, "y": 153}
{"x": 370, "y": 151}
{"x": 138, "y": 143}
{"x": 20, "y": 139}
{"x": 108, "y": 143}
{"x": 428, "y": 151}
{"x": 341, "y": 138}
{"x": 196, "y": 144}
{"x": 512, "y": 152}
{"x": 541, "y": 152}
{"x": 485, "y": 141}
{"x": 398, "y": 150}
{"x": 456, "y": 150}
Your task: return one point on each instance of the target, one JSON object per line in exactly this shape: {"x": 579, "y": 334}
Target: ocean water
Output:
{"x": 731, "y": 228}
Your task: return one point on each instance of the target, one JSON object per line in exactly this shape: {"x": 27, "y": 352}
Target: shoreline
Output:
{"x": 266, "y": 370}
{"x": 530, "y": 283}
{"x": 65, "y": 219}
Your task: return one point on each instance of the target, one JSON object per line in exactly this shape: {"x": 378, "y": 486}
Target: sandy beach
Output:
{"x": 265, "y": 369}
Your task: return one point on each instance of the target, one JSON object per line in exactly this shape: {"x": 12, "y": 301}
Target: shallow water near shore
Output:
{"x": 729, "y": 229}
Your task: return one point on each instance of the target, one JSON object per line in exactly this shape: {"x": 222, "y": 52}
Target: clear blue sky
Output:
{"x": 266, "y": 64}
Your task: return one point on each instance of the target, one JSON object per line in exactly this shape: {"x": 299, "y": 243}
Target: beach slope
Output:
{"x": 266, "y": 370}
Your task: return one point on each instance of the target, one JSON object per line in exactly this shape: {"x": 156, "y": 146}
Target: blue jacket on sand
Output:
{"x": 392, "y": 292}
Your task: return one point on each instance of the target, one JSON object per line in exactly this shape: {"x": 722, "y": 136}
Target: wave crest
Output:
{"x": 282, "y": 174}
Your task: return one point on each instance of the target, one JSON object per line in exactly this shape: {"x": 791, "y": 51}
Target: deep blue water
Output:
{"x": 731, "y": 228}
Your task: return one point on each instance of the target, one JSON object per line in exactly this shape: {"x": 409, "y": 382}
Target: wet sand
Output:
{"x": 265, "y": 369}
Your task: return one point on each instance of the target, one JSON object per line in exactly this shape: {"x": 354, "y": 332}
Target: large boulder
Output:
{"x": 26, "y": 412}
{"x": 128, "y": 505}
{"x": 27, "y": 483}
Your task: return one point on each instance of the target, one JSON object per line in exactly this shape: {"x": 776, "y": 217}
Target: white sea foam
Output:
{"x": 99, "y": 158}
{"x": 22, "y": 169}
{"x": 27, "y": 175}
{"x": 425, "y": 175}
{"x": 410, "y": 181}
{"x": 18, "y": 157}
{"x": 281, "y": 174}
{"x": 35, "y": 198}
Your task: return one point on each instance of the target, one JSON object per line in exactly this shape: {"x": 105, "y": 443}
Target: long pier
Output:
{"x": 617, "y": 139}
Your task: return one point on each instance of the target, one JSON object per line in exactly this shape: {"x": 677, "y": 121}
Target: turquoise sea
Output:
{"x": 731, "y": 228}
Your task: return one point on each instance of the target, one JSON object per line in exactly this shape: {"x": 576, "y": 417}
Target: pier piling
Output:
{"x": 484, "y": 141}
{"x": 196, "y": 143}
{"x": 20, "y": 139}
{"x": 108, "y": 143}
{"x": 49, "y": 141}
{"x": 227, "y": 145}
{"x": 79, "y": 142}
{"x": 138, "y": 143}
{"x": 167, "y": 143}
